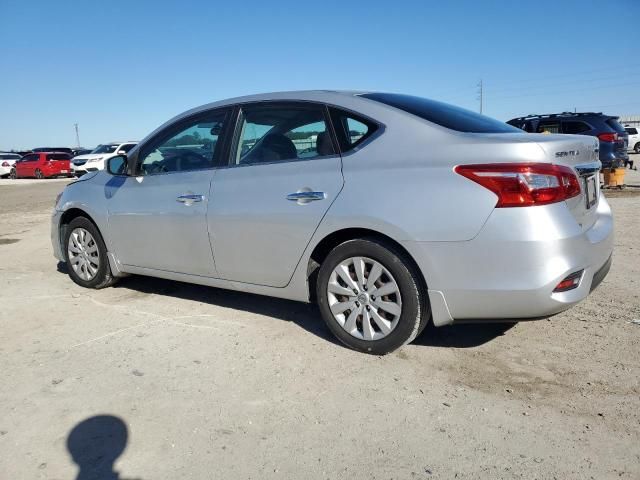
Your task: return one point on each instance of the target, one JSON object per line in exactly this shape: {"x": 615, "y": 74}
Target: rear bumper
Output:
{"x": 509, "y": 270}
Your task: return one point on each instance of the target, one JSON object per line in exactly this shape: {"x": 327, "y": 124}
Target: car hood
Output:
{"x": 91, "y": 156}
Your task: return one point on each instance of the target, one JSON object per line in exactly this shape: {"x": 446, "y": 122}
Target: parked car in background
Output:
{"x": 388, "y": 210}
{"x": 612, "y": 136}
{"x": 7, "y": 160}
{"x": 634, "y": 138}
{"x": 96, "y": 159}
{"x": 53, "y": 149}
{"x": 43, "y": 165}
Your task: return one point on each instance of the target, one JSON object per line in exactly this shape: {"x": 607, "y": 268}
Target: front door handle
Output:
{"x": 305, "y": 197}
{"x": 190, "y": 198}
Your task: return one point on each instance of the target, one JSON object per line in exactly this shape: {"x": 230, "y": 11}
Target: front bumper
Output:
{"x": 510, "y": 269}
{"x": 55, "y": 235}
{"x": 5, "y": 171}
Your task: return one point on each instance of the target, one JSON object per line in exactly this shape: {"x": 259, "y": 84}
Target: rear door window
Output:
{"x": 574, "y": 127}
{"x": 274, "y": 133}
{"x": 448, "y": 116}
{"x": 548, "y": 126}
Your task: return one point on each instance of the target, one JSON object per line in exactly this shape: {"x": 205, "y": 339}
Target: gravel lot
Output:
{"x": 217, "y": 384}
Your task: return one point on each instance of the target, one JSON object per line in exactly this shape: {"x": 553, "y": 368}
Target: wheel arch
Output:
{"x": 68, "y": 216}
{"x": 332, "y": 240}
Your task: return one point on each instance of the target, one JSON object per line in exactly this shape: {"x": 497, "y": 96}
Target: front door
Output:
{"x": 265, "y": 206}
{"x": 26, "y": 167}
{"x": 158, "y": 217}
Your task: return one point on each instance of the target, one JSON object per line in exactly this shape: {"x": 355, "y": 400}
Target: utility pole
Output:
{"x": 480, "y": 94}
{"x": 77, "y": 135}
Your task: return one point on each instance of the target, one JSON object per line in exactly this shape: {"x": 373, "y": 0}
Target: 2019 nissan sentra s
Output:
{"x": 388, "y": 210}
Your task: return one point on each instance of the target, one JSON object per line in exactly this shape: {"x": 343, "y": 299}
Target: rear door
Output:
{"x": 283, "y": 175}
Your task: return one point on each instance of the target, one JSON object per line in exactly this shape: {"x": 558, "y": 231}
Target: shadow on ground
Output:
{"x": 95, "y": 444}
{"x": 463, "y": 335}
{"x": 304, "y": 315}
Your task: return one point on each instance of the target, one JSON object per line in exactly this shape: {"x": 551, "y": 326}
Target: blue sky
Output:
{"x": 121, "y": 68}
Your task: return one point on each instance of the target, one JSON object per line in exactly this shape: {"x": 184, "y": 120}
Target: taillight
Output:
{"x": 608, "y": 137}
{"x": 524, "y": 184}
{"x": 5, "y": 164}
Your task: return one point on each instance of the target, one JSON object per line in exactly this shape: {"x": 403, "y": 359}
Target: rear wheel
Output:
{"x": 636, "y": 148}
{"x": 86, "y": 255}
{"x": 12, "y": 174}
{"x": 371, "y": 296}
{"x": 39, "y": 173}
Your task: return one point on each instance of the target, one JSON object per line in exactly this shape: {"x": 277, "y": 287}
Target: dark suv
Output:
{"x": 613, "y": 137}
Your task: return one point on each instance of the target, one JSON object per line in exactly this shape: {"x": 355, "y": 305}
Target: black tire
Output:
{"x": 103, "y": 278}
{"x": 39, "y": 174}
{"x": 12, "y": 174}
{"x": 415, "y": 311}
{"x": 636, "y": 148}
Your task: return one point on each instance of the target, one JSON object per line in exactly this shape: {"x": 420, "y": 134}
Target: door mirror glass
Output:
{"x": 117, "y": 165}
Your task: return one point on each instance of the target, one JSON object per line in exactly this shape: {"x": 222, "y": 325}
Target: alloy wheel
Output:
{"x": 364, "y": 298}
{"x": 83, "y": 255}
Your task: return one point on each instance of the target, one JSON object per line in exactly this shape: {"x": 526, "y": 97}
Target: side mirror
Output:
{"x": 117, "y": 165}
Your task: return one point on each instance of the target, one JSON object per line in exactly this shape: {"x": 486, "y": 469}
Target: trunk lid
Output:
{"x": 581, "y": 153}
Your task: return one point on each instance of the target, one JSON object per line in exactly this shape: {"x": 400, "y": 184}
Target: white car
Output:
{"x": 7, "y": 160}
{"x": 634, "y": 138}
{"x": 96, "y": 160}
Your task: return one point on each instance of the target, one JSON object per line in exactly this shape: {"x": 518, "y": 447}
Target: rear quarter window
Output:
{"x": 443, "y": 114}
{"x": 351, "y": 129}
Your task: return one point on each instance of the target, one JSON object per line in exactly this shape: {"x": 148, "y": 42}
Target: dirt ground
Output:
{"x": 217, "y": 384}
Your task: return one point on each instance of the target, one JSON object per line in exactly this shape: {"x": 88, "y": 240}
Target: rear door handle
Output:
{"x": 306, "y": 197}
{"x": 188, "y": 199}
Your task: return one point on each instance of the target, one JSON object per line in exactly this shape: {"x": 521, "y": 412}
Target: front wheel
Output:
{"x": 12, "y": 174}
{"x": 371, "y": 296}
{"x": 39, "y": 174}
{"x": 636, "y": 148}
{"x": 86, "y": 255}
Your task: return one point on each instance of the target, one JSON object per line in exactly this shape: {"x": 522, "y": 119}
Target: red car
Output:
{"x": 43, "y": 165}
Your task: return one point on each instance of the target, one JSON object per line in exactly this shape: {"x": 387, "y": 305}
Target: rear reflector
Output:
{"x": 524, "y": 184}
{"x": 569, "y": 283}
{"x": 608, "y": 137}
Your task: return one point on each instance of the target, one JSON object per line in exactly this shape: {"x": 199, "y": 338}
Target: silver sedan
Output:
{"x": 389, "y": 211}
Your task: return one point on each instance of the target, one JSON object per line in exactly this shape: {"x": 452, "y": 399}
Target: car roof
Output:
{"x": 562, "y": 116}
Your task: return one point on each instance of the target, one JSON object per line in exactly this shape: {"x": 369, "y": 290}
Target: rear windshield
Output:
{"x": 613, "y": 123}
{"x": 443, "y": 114}
{"x": 105, "y": 148}
{"x": 58, "y": 156}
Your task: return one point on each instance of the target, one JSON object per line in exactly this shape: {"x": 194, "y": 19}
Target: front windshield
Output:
{"x": 105, "y": 149}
